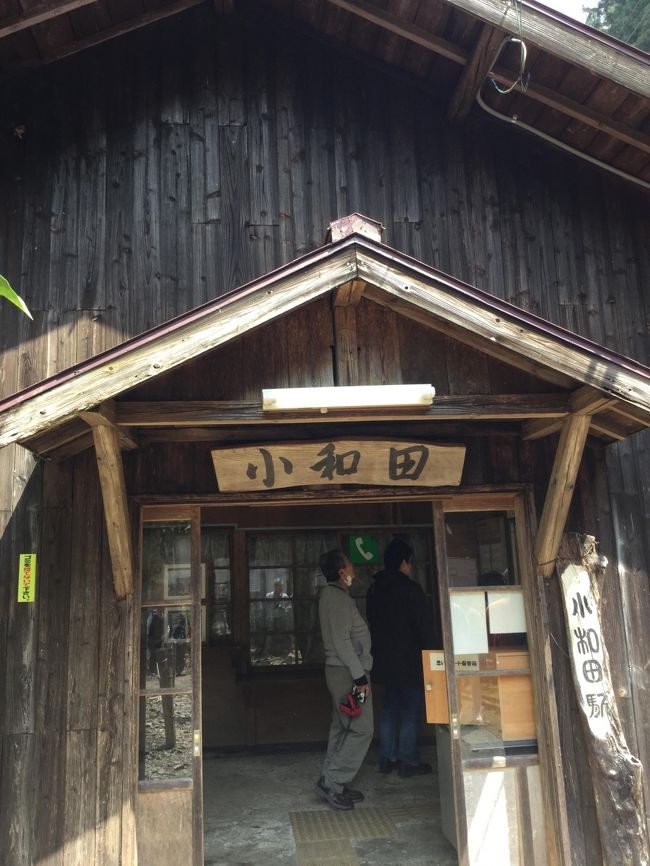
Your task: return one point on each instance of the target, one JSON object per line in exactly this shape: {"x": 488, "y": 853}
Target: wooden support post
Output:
{"x": 616, "y": 773}
{"x": 560, "y": 491}
{"x": 346, "y": 352}
{"x": 111, "y": 478}
{"x": 475, "y": 72}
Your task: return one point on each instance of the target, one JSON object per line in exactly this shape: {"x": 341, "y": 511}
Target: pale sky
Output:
{"x": 572, "y": 8}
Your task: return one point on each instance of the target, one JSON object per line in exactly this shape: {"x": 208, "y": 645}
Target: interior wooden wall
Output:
{"x": 173, "y": 165}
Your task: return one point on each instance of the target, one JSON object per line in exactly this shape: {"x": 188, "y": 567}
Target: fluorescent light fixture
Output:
{"x": 347, "y": 397}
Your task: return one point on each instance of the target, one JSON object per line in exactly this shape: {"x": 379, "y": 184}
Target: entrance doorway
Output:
{"x": 255, "y": 580}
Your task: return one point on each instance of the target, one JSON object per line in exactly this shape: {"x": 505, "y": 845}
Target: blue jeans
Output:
{"x": 399, "y": 724}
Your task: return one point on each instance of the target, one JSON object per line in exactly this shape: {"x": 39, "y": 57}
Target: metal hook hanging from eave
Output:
{"x": 521, "y": 79}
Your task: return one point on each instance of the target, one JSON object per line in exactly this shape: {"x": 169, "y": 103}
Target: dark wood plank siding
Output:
{"x": 63, "y": 678}
{"x": 174, "y": 165}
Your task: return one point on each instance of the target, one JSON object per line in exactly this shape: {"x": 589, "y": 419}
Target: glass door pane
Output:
{"x": 492, "y": 736}
{"x": 169, "y": 752}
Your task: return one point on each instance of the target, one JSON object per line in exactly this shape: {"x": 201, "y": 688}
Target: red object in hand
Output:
{"x": 350, "y": 706}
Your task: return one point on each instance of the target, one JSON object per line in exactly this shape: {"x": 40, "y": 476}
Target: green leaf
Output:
{"x": 7, "y": 292}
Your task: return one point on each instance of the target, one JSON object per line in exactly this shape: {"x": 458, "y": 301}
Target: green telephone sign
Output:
{"x": 363, "y": 550}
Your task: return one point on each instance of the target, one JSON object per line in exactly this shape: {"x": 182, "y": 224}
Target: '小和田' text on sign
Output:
{"x": 362, "y": 461}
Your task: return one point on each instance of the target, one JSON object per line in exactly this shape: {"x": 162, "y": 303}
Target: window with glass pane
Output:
{"x": 165, "y": 736}
{"x": 217, "y": 592}
{"x": 284, "y": 580}
{"x": 166, "y": 561}
{"x": 480, "y": 549}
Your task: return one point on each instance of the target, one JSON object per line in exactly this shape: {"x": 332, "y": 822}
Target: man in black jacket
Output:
{"x": 401, "y": 627}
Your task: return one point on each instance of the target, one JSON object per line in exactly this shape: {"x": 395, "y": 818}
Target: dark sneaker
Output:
{"x": 386, "y": 766}
{"x": 336, "y": 801}
{"x": 408, "y": 770}
{"x": 351, "y": 794}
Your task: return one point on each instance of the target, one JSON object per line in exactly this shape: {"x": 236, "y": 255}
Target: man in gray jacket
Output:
{"x": 346, "y": 640}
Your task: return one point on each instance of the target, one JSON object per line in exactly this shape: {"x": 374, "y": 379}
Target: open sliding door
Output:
{"x": 169, "y": 802}
{"x": 488, "y": 755}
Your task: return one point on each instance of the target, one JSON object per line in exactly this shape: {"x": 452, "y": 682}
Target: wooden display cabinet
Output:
{"x": 507, "y": 701}
{"x": 504, "y": 704}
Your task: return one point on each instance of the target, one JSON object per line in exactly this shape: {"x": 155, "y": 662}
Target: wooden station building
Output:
{"x": 201, "y": 201}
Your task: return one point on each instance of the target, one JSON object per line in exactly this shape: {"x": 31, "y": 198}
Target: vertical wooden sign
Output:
{"x": 616, "y": 773}
{"x": 27, "y": 577}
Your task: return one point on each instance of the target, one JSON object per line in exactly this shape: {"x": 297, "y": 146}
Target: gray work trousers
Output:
{"x": 349, "y": 739}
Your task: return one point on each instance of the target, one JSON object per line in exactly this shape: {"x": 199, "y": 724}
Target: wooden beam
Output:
{"x": 116, "y": 512}
{"x": 583, "y": 401}
{"x": 472, "y": 79}
{"x": 574, "y": 43}
{"x": 451, "y": 431}
{"x": 70, "y": 448}
{"x": 475, "y": 72}
{"x": 349, "y": 294}
{"x": 56, "y": 437}
{"x": 631, "y": 413}
{"x": 410, "y": 287}
{"x": 476, "y": 407}
{"x": 106, "y": 414}
{"x": 169, "y": 346}
{"x": 532, "y": 430}
{"x": 588, "y": 401}
{"x": 560, "y": 491}
{"x": 39, "y": 13}
{"x": 606, "y": 428}
{"x": 469, "y": 337}
{"x": 480, "y": 497}
{"x": 71, "y": 48}
{"x": 601, "y": 122}
{"x": 394, "y": 24}
{"x": 346, "y": 349}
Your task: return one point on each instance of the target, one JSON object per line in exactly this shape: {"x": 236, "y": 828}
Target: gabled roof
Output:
{"x": 588, "y": 92}
{"x": 358, "y": 264}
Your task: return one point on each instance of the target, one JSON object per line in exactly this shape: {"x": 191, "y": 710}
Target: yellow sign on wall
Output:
{"x": 27, "y": 577}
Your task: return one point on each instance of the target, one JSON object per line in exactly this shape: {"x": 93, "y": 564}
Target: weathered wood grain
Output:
{"x": 39, "y": 13}
{"x": 616, "y": 773}
{"x": 542, "y": 245}
{"x": 575, "y": 46}
{"x": 111, "y": 476}
{"x": 16, "y": 780}
{"x": 84, "y": 585}
{"x": 630, "y": 503}
{"x": 560, "y": 491}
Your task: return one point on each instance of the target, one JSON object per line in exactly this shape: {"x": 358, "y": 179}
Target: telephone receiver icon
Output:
{"x": 358, "y": 542}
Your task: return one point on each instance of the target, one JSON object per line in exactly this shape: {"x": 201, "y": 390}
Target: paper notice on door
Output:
{"x": 468, "y": 623}
{"x": 506, "y": 611}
